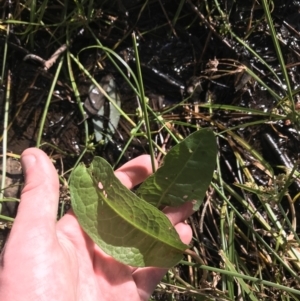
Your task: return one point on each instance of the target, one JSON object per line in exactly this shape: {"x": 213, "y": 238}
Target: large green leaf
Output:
{"x": 185, "y": 174}
{"x": 120, "y": 223}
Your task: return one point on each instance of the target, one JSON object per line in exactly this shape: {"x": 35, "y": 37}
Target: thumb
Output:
{"x": 39, "y": 198}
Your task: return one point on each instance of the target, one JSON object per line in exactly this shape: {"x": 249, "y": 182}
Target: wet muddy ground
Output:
{"x": 189, "y": 56}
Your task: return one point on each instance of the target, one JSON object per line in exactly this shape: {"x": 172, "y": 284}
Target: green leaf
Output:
{"x": 185, "y": 174}
{"x": 120, "y": 223}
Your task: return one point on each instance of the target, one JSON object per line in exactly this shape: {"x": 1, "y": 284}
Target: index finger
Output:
{"x": 135, "y": 171}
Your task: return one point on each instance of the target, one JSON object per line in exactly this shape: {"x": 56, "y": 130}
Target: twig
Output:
{"x": 49, "y": 63}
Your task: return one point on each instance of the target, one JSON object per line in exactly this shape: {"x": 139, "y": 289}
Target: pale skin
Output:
{"x": 48, "y": 260}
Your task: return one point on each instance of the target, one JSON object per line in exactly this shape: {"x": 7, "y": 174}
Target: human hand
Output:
{"x": 48, "y": 260}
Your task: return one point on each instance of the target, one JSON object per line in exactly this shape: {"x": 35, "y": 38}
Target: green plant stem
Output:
{"x": 77, "y": 97}
{"x": 5, "y": 55}
{"x": 133, "y": 131}
{"x": 281, "y": 240}
{"x": 46, "y": 108}
{"x": 178, "y": 11}
{"x": 278, "y": 51}
{"x": 233, "y": 273}
{"x": 109, "y": 54}
{"x": 86, "y": 72}
{"x": 228, "y": 27}
{"x": 6, "y": 218}
{"x": 32, "y": 18}
{"x": 4, "y": 142}
{"x": 143, "y": 102}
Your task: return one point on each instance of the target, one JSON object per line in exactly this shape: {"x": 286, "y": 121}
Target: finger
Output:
{"x": 135, "y": 171}
{"x": 185, "y": 232}
{"x": 146, "y": 279}
{"x": 39, "y": 198}
{"x": 180, "y": 213}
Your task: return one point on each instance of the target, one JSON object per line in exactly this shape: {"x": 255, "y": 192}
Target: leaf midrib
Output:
{"x": 120, "y": 213}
